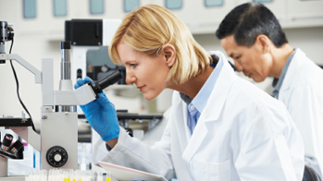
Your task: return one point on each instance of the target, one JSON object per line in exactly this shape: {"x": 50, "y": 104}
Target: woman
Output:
{"x": 220, "y": 128}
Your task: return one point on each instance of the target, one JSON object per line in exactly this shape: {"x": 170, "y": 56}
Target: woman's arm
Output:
{"x": 112, "y": 142}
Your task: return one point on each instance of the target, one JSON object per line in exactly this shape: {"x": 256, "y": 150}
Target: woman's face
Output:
{"x": 148, "y": 73}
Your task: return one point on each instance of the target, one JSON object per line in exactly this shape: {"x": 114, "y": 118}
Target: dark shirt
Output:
{"x": 277, "y": 83}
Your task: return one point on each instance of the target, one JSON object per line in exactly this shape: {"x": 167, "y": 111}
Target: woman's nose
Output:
{"x": 130, "y": 78}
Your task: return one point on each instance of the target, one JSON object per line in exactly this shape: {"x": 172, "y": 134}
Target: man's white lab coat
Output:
{"x": 302, "y": 93}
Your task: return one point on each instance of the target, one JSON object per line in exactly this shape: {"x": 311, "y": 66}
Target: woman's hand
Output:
{"x": 101, "y": 114}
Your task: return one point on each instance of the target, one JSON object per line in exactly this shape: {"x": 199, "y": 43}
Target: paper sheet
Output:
{"x": 128, "y": 174}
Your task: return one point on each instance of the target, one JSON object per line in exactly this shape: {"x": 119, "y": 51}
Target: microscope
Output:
{"x": 93, "y": 36}
{"x": 58, "y": 138}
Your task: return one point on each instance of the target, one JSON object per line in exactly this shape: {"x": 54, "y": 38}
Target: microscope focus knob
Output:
{"x": 56, "y": 156}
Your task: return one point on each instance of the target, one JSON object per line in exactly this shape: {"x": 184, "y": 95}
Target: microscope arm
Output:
{"x": 28, "y": 134}
{"x": 24, "y": 63}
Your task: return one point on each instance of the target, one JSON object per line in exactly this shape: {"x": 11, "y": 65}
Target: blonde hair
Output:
{"x": 148, "y": 28}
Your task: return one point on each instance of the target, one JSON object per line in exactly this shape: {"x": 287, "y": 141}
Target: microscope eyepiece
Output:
{"x": 7, "y": 139}
{"x": 16, "y": 147}
{"x": 110, "y": 79}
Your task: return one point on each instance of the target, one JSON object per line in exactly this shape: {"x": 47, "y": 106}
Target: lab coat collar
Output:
{"x": 219, "y": 94}
{"x": 295, "y": 64}
{"x": 211, "y": 111}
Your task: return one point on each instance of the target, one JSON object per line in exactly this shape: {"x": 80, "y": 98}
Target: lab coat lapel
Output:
{"x": 289, "y": 77}
{"x": 180, "y": 127}
{"x": 187, "y": 130}
{"x": 212, "y": 110}
{"x": 219, "y": 94}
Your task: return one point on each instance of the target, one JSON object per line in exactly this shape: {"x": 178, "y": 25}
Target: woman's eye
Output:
{"x": 133, "y": 65}
{"x": 237, "y": 57}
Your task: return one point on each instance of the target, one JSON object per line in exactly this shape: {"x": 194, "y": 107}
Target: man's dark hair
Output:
{"x": 247, "y": 21}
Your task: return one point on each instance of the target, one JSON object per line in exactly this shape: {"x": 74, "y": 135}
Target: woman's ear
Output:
{"x": 264, "y": 43}
{"x": 169, "y": 52}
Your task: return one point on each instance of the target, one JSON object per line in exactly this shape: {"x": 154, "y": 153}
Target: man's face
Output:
{"x": 252, "y": 61}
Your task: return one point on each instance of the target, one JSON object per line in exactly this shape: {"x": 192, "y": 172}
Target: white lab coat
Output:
{"x": 302, "y": 93}
{"x": 242, "y": 134}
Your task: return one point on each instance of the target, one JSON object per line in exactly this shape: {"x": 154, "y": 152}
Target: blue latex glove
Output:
{"x": 174, "y": 179}
{"x": 101, "y": 114}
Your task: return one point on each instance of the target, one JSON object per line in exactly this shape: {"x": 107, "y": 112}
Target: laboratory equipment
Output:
{"x": 58, "y": 113}
{"x": 87, "y": 35}
{"x": 98, "y": 86}
{"x": 7, "y": 151}
{"x": 7, "y": 139}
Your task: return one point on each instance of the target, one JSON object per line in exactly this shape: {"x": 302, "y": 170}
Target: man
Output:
{"x": 252, "y": 36}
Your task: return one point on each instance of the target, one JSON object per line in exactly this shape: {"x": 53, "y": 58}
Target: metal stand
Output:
{"x": 3, "y": 167}
{"x": 4, "y": 172}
